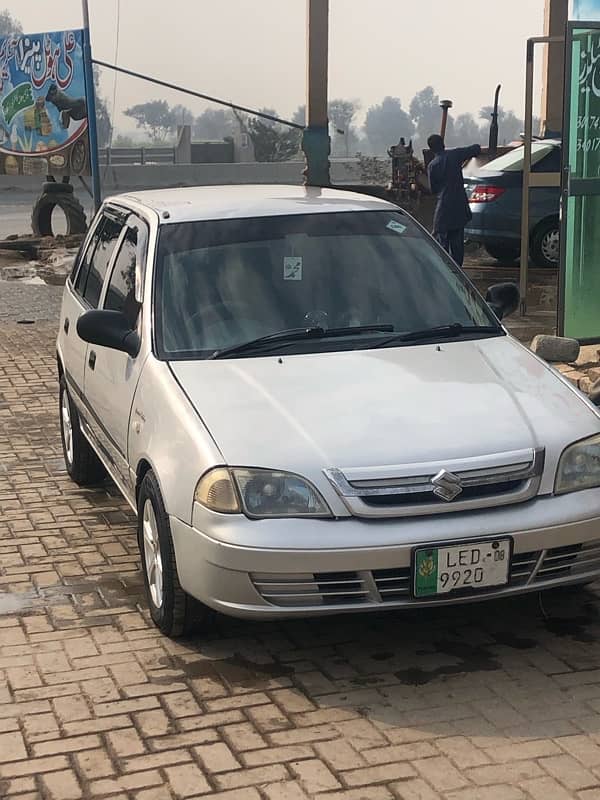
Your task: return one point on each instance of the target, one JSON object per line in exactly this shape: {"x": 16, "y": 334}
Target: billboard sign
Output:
{"x": 585, "y": 10}
{"x": 43, "y": 110}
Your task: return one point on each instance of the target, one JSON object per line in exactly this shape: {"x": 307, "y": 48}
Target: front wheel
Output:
{"x": 545, "y": 244}
{"x": 173, "y": 611}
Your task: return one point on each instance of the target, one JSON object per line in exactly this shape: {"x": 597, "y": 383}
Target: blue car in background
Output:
{"x": 495, "y": 196}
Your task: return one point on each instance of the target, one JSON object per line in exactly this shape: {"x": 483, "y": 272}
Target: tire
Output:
{"x": 545, "y": 244}
{"x": 502, "y": 252}
{"x": 173, "y": 611}
{"x": 82, "y": 463}
{"x": 78, "y": 157}
{"x": 41, "y": 218}
{"x": 53, "y": 187}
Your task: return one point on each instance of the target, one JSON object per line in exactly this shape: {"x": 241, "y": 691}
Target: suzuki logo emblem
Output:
{"x": 446, "y": 485}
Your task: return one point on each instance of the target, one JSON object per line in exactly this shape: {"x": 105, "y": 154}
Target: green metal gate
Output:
{"x": 579, "y": 305}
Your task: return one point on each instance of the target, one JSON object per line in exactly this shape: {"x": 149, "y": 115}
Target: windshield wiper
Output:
{"x": 454, "y": 330}
{"x": 296, "y": 335}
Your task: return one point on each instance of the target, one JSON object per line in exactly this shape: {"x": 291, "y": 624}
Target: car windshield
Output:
{"x": 221, "y": 283}
{"x": 513, "y": 160}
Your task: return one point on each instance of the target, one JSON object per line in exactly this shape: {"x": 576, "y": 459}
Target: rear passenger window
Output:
{"x": 84, "y": 263}
{"x": 96, "y": 260}
{"x": 550, "y": 163}
{"x": 107, "y": 240}
{"x": 120, "y": 295}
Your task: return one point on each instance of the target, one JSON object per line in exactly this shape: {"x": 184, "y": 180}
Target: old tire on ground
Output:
{"x": 54, "y": 187}
{"x": 545, "y": 244}
{"x": 502, "y": 252}
{"x": 41, "y": 217}
{"x": 173, "y": 611}
{"x": 82, "y": 463}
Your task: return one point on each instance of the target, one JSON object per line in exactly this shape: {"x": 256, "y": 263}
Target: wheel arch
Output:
{"x": 143, "y": 467}
{"x": 543, "y": 221}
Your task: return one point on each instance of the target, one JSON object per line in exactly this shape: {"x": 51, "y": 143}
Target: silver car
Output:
{"x": 312, "y": 410}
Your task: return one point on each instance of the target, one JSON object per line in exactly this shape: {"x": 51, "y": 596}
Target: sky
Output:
{"x": 253, "y": 51}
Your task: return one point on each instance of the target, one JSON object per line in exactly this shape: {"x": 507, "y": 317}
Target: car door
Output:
{"x": 82, "y": 294}
{"x": 111, "y": 376}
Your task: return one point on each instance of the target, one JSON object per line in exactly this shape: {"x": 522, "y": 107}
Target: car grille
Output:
{"x": 484, "y": 482}
{"x": 563, "y": 562}
{"x": 357, "y": 588}
{"x": 393, "y": 585}
{"x": 320, "y": 588}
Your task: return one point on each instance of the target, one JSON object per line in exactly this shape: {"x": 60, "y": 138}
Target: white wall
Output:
{"x": 135, "y": 177}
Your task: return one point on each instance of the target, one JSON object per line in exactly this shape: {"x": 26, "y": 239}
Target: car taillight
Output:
{"x": 485, "y": 194}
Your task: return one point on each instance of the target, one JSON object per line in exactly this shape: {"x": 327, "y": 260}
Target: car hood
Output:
{"x": 392, "y": 406}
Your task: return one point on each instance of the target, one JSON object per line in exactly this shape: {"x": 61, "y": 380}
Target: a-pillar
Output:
{"x": 315, "y": 140}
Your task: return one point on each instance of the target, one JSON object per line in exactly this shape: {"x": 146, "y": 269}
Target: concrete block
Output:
{"x": 556, "y": 348}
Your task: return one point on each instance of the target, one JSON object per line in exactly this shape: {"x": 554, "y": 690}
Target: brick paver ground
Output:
{"x": 495, "y": 701}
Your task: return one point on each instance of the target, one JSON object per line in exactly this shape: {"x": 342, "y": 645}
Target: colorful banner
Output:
{"x": 586, "y": 10}
{"x": 43, "y": 111}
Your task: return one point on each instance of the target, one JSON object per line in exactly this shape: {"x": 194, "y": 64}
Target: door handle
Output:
{"x": 92, "y": 359}
{"x": 66, "y": 325}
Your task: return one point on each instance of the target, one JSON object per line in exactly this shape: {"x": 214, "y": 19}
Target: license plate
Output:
{"x": 465, "y": 567}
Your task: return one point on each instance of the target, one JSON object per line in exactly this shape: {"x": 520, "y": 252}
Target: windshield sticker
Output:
{"x": 292, "y": 268}
{"x": 397, "y": 227}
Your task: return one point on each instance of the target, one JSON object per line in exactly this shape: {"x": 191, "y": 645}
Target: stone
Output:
{"x": 556, "y": 348}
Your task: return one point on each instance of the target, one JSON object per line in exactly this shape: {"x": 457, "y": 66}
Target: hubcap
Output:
{"x": 152, "y": 556}
{"x": 550, "y": 246}
{"x": 67, "y": 427}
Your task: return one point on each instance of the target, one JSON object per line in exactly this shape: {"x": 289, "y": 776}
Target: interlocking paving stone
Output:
{"x": 497, "y": 700}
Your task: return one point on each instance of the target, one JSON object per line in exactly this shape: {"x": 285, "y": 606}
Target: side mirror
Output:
{"x": 109, "y": 329}
{"x": 503, "y": 299}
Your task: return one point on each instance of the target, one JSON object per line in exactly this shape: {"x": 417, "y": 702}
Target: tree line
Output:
{"x": 382, "y": 126}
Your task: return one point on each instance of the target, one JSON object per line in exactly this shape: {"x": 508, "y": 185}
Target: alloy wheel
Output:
{"x": 550, "y": 246}
{"x": 67, "y": 426}
{"x": 152, "y": 556}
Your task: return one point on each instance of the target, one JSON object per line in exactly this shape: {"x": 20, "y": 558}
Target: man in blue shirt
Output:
{"x": 446, "y": 180}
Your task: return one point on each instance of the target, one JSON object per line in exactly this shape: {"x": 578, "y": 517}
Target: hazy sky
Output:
{"x": 253, "y": 51}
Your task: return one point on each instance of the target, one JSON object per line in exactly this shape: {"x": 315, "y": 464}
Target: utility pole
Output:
{"x": 91, "y": 106}
{"x": 555, "y": 23}
{"x": 315, "y": 140}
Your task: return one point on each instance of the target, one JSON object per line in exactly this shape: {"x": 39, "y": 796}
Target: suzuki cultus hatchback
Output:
{"x": 313, "y": 411}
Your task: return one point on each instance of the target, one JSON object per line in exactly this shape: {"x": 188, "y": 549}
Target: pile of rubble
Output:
{"x": 40, "y": 260}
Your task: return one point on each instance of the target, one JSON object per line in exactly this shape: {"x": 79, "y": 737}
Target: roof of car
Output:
{"x": 238, "y": 202}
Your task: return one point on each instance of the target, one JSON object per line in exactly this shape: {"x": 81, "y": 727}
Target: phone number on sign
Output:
{"x": 588, "y": 121}
{"x": 588, "y": 145}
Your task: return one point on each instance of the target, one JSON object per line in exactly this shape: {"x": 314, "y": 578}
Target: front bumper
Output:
{"x": 349, "y": 565}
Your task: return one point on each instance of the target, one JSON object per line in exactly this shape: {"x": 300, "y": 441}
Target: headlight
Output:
{"x": 260, "y": 493}
{"x": 579, "y": 467}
